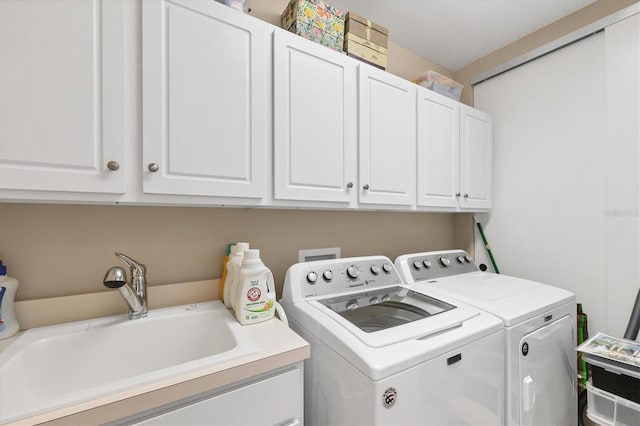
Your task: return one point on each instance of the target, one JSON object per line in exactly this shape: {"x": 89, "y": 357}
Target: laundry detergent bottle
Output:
{"x": 8, "y": 322}
{"x": 233, "y": 266}
{"x": 223, "y": 278}
{"x": 255, "y": 293}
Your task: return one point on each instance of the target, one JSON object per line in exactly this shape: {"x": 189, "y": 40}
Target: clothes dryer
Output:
{"x": 387, "y": 353}
{"x": 540, "y": 331}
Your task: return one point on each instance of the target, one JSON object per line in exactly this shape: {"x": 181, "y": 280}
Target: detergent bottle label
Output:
{"x": 259, "y": 301}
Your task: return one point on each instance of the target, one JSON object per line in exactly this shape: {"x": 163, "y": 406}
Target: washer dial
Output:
{"x": 353, "y": 271}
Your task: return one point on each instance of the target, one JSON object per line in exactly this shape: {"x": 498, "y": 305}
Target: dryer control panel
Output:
{"x": 433, "y": 265}
{"x": 344, "y": 275}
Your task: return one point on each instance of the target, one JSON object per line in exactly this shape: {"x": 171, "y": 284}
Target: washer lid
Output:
{"x": 378, "y": 310}
{"x": 380, "y": 354}
{"x": 318, "y": 297}
{"x": 412, "y": 314}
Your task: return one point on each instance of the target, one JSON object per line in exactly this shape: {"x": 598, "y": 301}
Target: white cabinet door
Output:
{"x": 277, "y": 400}
{"x": 387, "y": 140}
{"x": 61, "y": 95}
{"x": 438, "y": 150}
{"x": 205, "y": 71}
{"x": 475, "y": 158}
{"x": 315, "y": 126}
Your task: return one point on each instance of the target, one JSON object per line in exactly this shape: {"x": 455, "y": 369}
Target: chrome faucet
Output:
{"x": 135, "y": 294}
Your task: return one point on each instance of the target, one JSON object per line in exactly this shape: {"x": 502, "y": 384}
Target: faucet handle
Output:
{"x": 137, "y": 268}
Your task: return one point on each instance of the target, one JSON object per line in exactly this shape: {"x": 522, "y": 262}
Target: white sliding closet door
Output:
{"x": 549, "y": 128}
{"x": 566, "y": 171}
{"x": 622, "y": 167}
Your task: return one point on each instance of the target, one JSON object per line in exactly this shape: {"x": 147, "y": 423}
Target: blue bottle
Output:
{"x": 8, "y": 287}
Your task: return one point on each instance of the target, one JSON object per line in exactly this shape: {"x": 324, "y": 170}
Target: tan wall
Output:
{"x": 56, "y": 250}
{"x": 581, "y": 18}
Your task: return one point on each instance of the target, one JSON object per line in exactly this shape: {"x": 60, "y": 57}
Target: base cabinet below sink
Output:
{"x": 275, "y": 399}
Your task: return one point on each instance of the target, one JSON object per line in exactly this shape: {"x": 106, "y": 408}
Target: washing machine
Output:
{"x": 387, "y": 353}
{"x": 540, "y": 331}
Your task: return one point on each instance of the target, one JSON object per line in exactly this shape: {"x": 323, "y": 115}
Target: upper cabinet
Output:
{"x": 344, "y": 132}
{"x": 438, "y": 150}
{"x": 476, "y": 137}
{"x": 61, "y": 96}
{"x": 193, "y": 102}
{"x": 387, "y": 138}
{"x": 315, "y": 121}
{"x": 205, "y": 100}
{"x": 454, "y": 154}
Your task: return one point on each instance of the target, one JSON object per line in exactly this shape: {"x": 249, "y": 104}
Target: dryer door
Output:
{"x": 547, "y": 375}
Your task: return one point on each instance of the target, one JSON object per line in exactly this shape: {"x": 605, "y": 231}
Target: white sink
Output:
{"x": 51, "y": 367}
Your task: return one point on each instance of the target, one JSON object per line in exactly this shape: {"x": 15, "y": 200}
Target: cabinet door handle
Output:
{"x": 457, "y": 195}
{"x": 466, "y": 195}
{"x": 350, "y": 185}
{"x": 153, "y": 167}
{"x": 113, "y": 165}
{"x": 366, "y": 187}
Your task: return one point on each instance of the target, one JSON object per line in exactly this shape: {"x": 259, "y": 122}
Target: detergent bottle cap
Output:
{"x": 3, "y": 269}
{"x": 239, "y": 248}
{"x": 252, "y": 254}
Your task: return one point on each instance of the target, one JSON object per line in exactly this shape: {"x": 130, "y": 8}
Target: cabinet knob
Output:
{"x": 457, "y": 195}
{"x": 153, "y": 167}
{"x": 366, "y": 187}
{"x": 466, "y": 195}
{"x": 350, "y": 185}
{"x": 113, "y": 165}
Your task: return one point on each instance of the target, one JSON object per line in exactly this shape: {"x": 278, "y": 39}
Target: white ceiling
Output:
{"x": 455, "y": 33}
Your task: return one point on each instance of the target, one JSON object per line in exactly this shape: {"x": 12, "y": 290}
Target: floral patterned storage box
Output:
{"x": 315, "y": 20}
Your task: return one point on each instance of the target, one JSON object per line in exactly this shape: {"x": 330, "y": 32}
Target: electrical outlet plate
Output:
{"x": 310, "y": 255}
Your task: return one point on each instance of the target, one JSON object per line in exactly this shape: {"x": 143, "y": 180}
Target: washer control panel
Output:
{"x": 346, "y": 275}
{"x": 432, "y": 265}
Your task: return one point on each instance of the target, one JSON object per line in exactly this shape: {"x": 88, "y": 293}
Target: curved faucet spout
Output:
{"x": 135, "y": 294}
